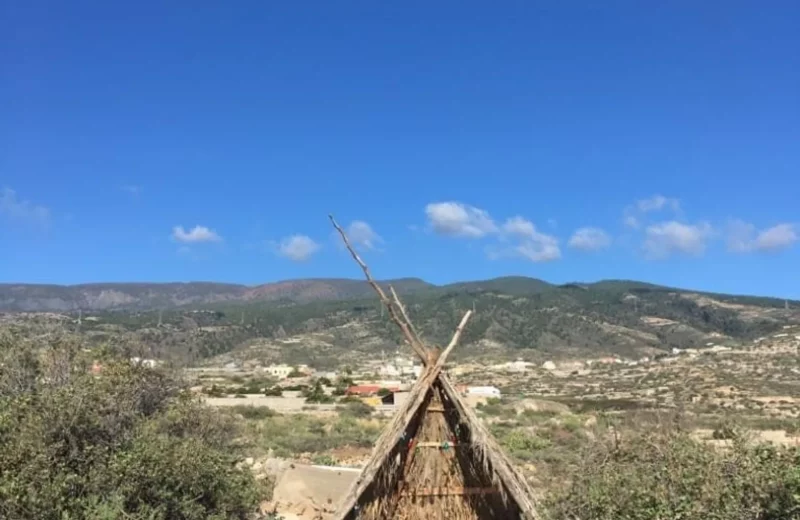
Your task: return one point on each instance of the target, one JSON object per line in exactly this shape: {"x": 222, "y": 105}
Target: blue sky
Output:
{"x": 461, "y": 140}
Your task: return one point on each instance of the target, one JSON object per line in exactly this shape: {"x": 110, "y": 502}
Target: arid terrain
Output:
{"x": 574, "y": 366}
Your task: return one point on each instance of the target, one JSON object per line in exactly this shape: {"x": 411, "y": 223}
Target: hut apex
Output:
{"x": 435, "y": 460}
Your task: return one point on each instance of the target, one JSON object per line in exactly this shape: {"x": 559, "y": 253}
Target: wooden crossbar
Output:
{"x": 435, "y": 409}
{"x": 448, "y": 491}
{"x": 437, "y": 444}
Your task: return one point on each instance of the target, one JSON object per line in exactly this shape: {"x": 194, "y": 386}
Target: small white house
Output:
{"x": 149, "y": 363}
{"x": 389, "y": 370}
{"x": 484, "y": 391}
{"x": 518, "y": 366}
{"x": 279, "y": 371}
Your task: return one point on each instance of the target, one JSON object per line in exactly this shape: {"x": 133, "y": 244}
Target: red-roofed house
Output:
{"x": 367, "y": 390}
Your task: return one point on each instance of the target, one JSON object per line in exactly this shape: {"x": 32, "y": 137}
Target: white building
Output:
{"x": 279, "y": 371}
{"x": 389, "y": 370}
{"x": 484, "y": 391}
{"x": 518, "y": 366}
{"x": 400, "y": 367}
{"x": 149, "y": 363}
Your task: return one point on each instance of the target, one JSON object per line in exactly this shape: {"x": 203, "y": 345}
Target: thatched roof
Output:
{"x": 435, "y": 460}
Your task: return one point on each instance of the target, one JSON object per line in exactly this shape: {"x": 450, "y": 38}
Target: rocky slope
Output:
{"x": 327, "y": 321}
{"x": 106, "y": 296}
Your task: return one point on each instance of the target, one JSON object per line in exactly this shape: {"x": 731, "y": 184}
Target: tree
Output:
{"x": 294, "y": 374}
{"x": 316, "y": 394}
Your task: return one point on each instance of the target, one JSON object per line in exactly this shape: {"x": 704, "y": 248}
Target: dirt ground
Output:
{"x": 310, "y": 492}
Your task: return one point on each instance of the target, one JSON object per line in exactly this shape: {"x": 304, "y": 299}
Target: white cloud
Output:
{"x": 657, "y": 203}
{"x": 361, "y": 234}
{"x": 459, "y": 220}
{"x": 631, "y": 222}
{"x": 776, "y": 237}
{"x": 298, "y": 248}
{"x": 743, "y": 237}
{"x": 196, "y": 235}
{"x": 633, "y": 214}
{"x": 520, "y": 227}
{"x": 539, "y": 251}
{"x": 666, "y": 238}
{"x": 23, "y": 210}
{"x": 518, "y": 236}
{"x": 533, "y": 245}
{"x": 590, "y": 239}
{"x": 740, "y": 236}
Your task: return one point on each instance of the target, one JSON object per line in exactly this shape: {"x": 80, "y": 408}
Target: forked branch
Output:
{"x": 402, "y": 308}
{"x": 405, "y": 327}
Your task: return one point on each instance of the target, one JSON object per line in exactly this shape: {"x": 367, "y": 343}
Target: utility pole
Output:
{"x": 80, "y": 320}
{"x": 160, "y": 314}
{"x": 241, "y": 322}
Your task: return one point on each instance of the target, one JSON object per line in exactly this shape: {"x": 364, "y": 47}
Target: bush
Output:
{"x": 128, "y": 443}
{"x": 215, "y": 391}
{"x": 668, "y": 474}
{"x": 357, "y": 409}
{"x": 317, "y": 395}
{"x": 254, "y": 413}
{"x": 274, "y": 391}
{"x": 323, "y": 460}
{"x": 296, "y": 434}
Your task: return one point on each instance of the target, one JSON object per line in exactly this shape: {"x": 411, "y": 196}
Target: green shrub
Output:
{"x": 668, "y": 474}
{"x": 522, "y": 445}
{"x": 215, "y": 391}
{"x": 129, "y": 443}
{"x": 274, "y": 391}
{"x": 253, "y": 413}
{"x": 317, "y": 395}
{"x": 294, "y": 434}
{"x": 357, "y": 409}
{"x": 324, "y": 460}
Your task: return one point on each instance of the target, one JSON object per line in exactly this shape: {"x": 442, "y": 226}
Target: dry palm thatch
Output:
{"x": 435, "y": 460}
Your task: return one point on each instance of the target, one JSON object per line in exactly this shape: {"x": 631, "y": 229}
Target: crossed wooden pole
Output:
{"x": 397, "y": 313}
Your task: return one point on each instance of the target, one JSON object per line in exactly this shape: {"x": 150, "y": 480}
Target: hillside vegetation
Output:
{"x": 513, "y": 317}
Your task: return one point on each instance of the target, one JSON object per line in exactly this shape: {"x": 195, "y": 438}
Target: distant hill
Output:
{"x": 142, "y": 296}
{"x": 330, "y": 321}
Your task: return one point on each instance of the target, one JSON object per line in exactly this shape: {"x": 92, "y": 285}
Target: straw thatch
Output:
{"x": 435, "y": 460}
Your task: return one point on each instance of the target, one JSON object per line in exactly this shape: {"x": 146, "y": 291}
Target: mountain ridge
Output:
{"x": 102, "y": 296}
